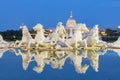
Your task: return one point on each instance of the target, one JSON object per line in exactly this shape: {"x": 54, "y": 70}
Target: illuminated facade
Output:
{"x": 71, "y": 25}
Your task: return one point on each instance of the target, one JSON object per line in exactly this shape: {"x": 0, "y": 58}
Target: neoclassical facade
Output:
{"x": 71, "y": 25}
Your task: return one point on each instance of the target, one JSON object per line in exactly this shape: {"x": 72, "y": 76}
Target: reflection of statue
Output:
{"x": 26, "y": 37}
{"x": 40, "y": 60}
{"x": 26, "y": 58}
{"x": 2, "y": 51}
{"x": 93, "y": 56}
{"x": 77, "y": 61}
{"x": 57, "y": 60}
{"x": 117, "y": 51}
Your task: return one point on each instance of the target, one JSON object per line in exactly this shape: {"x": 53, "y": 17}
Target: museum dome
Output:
{"x": 71, "y": 21}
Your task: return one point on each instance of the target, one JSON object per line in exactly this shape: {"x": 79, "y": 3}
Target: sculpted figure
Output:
{"x": 39, "y": 38}
{"x": 3, "y": 44}
{"x": 60, "y": 31}
{"x": 26, "y": 37}
{"x": 93, "y": 37}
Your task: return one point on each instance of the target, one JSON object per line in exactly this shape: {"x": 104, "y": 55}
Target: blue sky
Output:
{"x": 13, "y": 13}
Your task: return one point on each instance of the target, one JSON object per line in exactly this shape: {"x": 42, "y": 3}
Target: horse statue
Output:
{"x": 39, "y": 38}
{"x": 1, "y": 38}
{"x": 93, "y": 36}
{"x": 26, "y": 37}
{"x": 3, "y": 43}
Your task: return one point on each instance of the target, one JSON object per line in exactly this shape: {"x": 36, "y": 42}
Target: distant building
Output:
{"x": 71, "y": 25}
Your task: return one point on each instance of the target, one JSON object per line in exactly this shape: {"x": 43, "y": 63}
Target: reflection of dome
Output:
{"x": 71, "y": 22}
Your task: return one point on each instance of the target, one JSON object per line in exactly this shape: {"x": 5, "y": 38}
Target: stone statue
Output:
{"x": 3, "y": 43}
{"x": 93, "y": 37}
{"x": 39, "y": 37}
{"x": 60, "y": 31}
{"x": 26, "y": 37}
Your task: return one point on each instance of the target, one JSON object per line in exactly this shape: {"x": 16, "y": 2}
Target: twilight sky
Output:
{"x": 13, "y": 13}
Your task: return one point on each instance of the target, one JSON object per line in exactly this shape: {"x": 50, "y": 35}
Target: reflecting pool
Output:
{"x": 21, "y": 64}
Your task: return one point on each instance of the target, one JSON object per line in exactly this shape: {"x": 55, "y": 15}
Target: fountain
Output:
{"x": 81, "y": 38}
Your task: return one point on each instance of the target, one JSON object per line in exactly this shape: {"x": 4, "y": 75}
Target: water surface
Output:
{"x": 59, "y": 65}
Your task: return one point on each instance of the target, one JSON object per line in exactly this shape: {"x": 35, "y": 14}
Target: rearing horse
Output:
{"x": 39, "y": 38}
{"x": 26, "y": 37}
{"x": 93, "y": 37}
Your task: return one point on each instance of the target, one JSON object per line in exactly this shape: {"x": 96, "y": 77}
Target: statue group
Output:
{"x": 59, "y": 38}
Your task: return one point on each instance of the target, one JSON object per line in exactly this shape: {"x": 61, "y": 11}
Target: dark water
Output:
{"x": 60, "y": 65}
